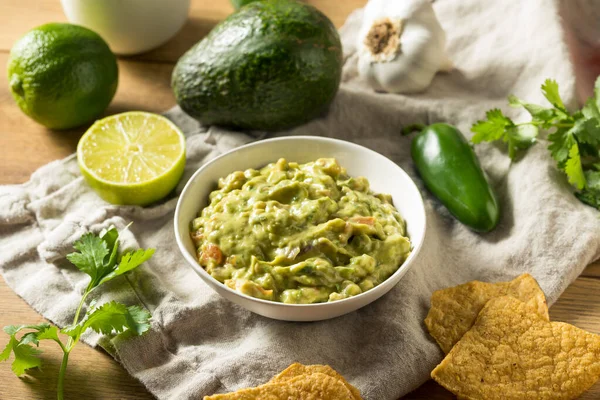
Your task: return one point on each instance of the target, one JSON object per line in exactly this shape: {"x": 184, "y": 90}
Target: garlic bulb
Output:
{"x": 401, "y": 45}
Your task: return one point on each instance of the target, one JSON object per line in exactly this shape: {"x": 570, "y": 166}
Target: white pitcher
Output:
{"x": 129, "y": 26}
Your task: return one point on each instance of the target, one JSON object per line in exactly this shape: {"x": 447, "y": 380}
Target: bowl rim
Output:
{"x": 402, "y": 269}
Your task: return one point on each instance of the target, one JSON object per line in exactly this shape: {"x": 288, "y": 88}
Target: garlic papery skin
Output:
{"x": 401, "y": 46}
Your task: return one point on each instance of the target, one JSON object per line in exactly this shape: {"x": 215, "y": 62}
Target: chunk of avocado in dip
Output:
{"x": 299, "y": 233}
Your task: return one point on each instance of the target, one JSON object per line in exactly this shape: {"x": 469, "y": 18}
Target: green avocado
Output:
{"x": 272, "y": 65}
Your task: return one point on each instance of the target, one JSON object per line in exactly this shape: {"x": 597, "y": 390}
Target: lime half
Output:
{"x": 132, "y": 158}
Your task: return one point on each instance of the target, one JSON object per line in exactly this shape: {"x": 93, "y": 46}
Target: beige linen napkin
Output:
{"x": 201, "y": 343}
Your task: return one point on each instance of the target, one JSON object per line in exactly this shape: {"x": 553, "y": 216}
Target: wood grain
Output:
{"x": 204, "y": 15}
{"x": 144, "y": 85}
{"x": 92, "y": 374}
{"x": 593, "y": 271}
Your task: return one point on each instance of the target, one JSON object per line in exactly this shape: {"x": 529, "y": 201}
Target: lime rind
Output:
{"x": 62, "y": 75}
{"x": 132, "y": 158}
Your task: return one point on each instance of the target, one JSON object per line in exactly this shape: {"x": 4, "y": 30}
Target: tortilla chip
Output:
{"x": 297, "y": 369}
{"x": 314, "y": 386}
{"x": 514, "y": 353}
{"x": 454, "y": 310}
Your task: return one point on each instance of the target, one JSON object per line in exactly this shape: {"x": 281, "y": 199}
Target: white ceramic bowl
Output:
{"x": 129, "y": 26}
{"x": 384, "y": 176}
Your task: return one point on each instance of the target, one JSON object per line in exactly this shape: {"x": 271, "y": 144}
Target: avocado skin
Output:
{"x": 273, "y": 65}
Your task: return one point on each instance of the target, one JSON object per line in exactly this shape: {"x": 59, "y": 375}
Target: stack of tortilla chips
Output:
{"x": 302, "y": 382}
{"x": 500, "y": 344}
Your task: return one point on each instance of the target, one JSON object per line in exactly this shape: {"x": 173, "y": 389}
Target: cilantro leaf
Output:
{"x": 520, "y": 137}
{"x": 90, "y": 259}
{"x": 112, "y": 317}
{"x": 591, "y": 194}
{"x": 139, "y": 320}
{"x": 51, "y": 332}
{"x": 592, "y": 179}
{"x": 98, "y": 255}
{"x": 14, "y": 329}
{"x": 497, "y": 126}
{"x": 550, "y": 90}
{"x": 574, "y": 140}
{"x": 584, "y": 131}
{"x": 117, "y": 317}
{"x": 573, "y": 168}
{"x": 589, "y": 197}
{"x": 590, "y": 109}
{"x": 128, "y": 262}
{"x": 6, "y": 352}
{"x": 111, "y": 238}
{"x": 561, "y": 142}
{"x": 492, "y": 128}
{"x": 29, "y": 337}
{"x": 26, "y": 357}
{"x": 541, "y": 115}
{"x": 41, "y": 332}
{"x": 587, "y": 131}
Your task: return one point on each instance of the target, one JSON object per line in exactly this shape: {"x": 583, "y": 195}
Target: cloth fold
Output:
{"x": 200, "y": 343}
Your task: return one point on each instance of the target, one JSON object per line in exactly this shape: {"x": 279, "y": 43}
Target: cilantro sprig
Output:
{"x": 99, "y": 257}
{"x": 574, "y": 138}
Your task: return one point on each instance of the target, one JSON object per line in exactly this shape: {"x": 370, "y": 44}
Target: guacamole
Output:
{"x": 299, "y": 233}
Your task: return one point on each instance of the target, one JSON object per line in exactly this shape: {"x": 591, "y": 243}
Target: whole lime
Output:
{"x": 62, "y": 75}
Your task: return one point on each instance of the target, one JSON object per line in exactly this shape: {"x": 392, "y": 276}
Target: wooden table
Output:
{"x": 144, "y": 85}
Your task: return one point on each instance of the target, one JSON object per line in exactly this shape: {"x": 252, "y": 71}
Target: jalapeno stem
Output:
{"x": 408, "y": 129}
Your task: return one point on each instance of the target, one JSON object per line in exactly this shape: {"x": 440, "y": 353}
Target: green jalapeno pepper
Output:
{"x": 451, "y": 171}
